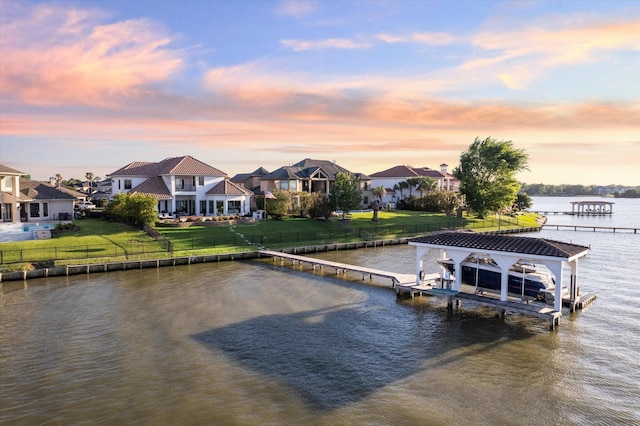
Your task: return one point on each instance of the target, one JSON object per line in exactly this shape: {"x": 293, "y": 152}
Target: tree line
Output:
{"x": 541, "y": 189}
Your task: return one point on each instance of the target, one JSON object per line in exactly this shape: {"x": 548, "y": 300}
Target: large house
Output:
{"x": 311, "y": 176}
{"x": 25, "y": 200}
{"x": 391, "y": 178}
{"x": 183, "y": 186}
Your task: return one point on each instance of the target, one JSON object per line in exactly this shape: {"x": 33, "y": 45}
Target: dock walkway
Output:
{"x": 294, "y": 258}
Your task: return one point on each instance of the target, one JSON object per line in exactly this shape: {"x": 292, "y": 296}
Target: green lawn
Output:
{"x": 97, "y": 241}
{"x": 94, "y": 240}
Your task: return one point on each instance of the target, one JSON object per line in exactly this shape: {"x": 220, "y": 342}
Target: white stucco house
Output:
{"x": 183, "y": 186}
{"x": 389, "y": 178}
{"x": 25, "y": 200}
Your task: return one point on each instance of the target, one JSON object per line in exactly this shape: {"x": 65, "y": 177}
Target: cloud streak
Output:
{"x": 78, "y": 60}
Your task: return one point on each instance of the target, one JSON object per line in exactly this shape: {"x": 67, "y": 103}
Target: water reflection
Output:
{"x": 335, "y": 356}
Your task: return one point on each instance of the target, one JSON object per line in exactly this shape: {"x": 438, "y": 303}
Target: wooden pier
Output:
{"x": 341, "y": 267}
{"x": 613, "y": 229}
{"x": 432, "y": 285}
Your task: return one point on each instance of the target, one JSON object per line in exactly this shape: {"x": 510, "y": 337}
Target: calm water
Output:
{"x": 250, "y": 343}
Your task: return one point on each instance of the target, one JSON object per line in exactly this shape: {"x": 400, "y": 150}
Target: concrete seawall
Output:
{"x": 93, "y": 268}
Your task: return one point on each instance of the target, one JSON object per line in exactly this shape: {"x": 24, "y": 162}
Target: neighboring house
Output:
{"x": 42, "y": 201}
{"x": 183, "y": 186}
{"x": 311, "y": 176}
{"x": 391, "y": 177}
{"x": 9, "y": 190}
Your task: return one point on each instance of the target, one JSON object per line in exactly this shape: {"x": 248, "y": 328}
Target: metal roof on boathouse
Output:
{"x": 503, "y": 243}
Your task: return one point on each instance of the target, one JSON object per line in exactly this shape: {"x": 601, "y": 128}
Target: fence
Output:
{"x": 334, "y": 236}
{"x": 48, "y": 254}
{"x": 232, "y": 241}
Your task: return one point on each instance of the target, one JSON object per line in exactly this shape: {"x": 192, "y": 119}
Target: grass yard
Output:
{"x": 93, "y": 241}
{"x": 97, "y": 241}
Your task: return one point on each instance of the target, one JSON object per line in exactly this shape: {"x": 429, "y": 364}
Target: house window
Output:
{"x": 212, "y": 207}
{"x": 34, "y": 209}
{"x": 234, "y": 207}
{"x": 284, "y": 185}
{"x": 293, "y": 185}
{"x": 203, "y": 207}
{"x": 127, "y": 184}
{"x": 219, "y": 207}
{"x": 193, "y": 181}
{"x": 45, "y": 209}
{"x": 119, "y": 184}
{"x": 182, "y": 207}
{"x": 201, "y": 180}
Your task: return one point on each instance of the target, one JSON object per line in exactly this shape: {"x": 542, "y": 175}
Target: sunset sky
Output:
{"x": 89, "y": 86}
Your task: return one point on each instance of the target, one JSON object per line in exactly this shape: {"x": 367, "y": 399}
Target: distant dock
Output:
{"x": 583, "y": 208}
{"x": 613, "y": 229}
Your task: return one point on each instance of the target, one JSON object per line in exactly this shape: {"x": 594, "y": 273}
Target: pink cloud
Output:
{"x": 67, "y": 56}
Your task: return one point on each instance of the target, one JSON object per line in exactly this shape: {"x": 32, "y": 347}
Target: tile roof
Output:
{"x": 511, "y": 244}
{"x": 226, "y": 187}
{"x": 307, "y": 167}
{"x": 34, "y": 190}
{"x": 408, "y": 172}
{"x": 185, "y": 165}
{"x": 155, "y": 187}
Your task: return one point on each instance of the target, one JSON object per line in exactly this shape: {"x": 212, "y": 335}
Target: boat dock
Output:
{"x": 432, "y": 285}
{"x": 528, "y": 307}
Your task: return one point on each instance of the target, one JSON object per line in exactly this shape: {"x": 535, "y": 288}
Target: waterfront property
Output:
{"x": 183, "y": 186}
{"x": 25, "y": 200}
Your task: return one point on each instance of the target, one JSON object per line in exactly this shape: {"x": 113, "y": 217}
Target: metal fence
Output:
{"x": 93, "y": 251}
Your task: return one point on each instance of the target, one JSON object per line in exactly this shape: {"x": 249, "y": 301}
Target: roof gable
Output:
{"x": 226, "y": 187}
{"x": 155, "y": 187}
{"x": 396, "y": 172}
{"x": 5, "y": 170}
{"x": 185, "y": 165}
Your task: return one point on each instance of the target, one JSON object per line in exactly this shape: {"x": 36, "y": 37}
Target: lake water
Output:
{"x": 254, "y": 343}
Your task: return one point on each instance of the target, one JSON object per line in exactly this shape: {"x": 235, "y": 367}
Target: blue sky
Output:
{"x": 94, "y": 85}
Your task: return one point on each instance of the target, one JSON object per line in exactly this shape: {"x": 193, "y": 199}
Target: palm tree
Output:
{"x": 402, "y": 185}
{"x": 379, "y": 191}
{"x": 426, "y": 184}
{"x": 411, "y": 182}
{"x": 89, "y": 176}
{"x": 58, "y": 180}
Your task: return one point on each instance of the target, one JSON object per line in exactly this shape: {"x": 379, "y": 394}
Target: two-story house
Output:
{"x": 311, "y": 176}
{"x": 24, "y": 200}
{"x": 395, "y": 175}
{"x": 9, "y": 194}
{"x": 183, "y": 186}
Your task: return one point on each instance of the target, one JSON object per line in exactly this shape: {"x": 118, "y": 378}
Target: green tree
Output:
{"x": 136, "y": 209}
{"x": 426, "y": 184}
{"x": 487, "y": 174}
{"x": 379, "y": 191}
{"x": 345, "y": 193}
{"x": 320, "y": 207}
{"x": 523, "y": 202}
{"x": 280, "y": 205}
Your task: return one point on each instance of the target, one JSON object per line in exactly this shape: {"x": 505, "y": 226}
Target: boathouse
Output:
{"x": 505, "y": 252}
{"x": 592, "y": 207}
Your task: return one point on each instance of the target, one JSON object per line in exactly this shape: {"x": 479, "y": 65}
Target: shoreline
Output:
{"x": 68, "y": 270}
